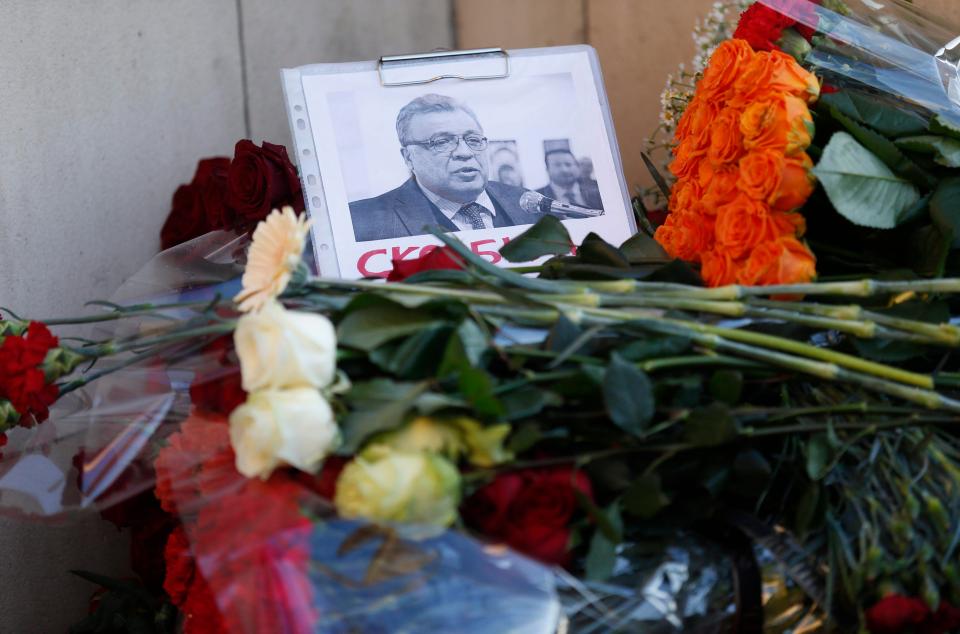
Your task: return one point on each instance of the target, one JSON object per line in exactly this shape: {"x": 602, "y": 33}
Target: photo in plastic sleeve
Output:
{"x": 481, "y": 159}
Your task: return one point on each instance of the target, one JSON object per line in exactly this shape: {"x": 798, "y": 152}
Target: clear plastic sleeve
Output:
{"x": 892, "y": 47}
{"x": 252, "y": 556}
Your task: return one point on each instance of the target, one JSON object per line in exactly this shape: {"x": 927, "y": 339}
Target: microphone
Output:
{"x": 535, "y": 203}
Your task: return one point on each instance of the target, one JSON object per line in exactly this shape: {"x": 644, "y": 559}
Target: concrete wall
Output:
{"x": 105, "y": 108}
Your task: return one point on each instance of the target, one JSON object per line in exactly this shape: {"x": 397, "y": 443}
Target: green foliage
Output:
{"x": 602, "y": 554}
{"x": 645, "y": 497}
{"x": 945, "y": 209}
{"x": 861, "y": 187}
{"x": 547, "y": 237}
{"x": 887, "y": 119}
{"x": 628, "y": 395}
{"x": 710, "y": 426}
{"x": 369, "y": 325}
{"x": 946, "y": 150}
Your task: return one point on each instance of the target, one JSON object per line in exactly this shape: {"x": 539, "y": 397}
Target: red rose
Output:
{"x": 530, "y": 510}
{"x": 262, "y": 179}
{"x": 22, "y": 380}
{"x": 437, "y": 258}
{"x": 200, "y": 206}
{"x": 895, "y": 613}
{"x": 945, "y": 620}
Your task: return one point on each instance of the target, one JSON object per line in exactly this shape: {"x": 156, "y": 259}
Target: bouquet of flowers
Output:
{"x": 607, "y": 446}
{"x": 816, "y": 144}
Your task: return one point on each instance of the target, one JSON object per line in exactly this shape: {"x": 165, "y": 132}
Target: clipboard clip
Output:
{"x": 411, "y": 70}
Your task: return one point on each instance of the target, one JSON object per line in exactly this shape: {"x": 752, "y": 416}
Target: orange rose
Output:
{"x": 684, "y": 195}
{"x": 723, "y": 69}
{"x": 783, "y": 261}
{"x": 796, "y": 183}
{"x": 685, "y": 235}
{"x": 721, "y": 186}
{"x": 726, "y": 140}
{"x": 774, "y": 72}
{"x": 781, "y": 123}
{"x": 788, "y": 223}
{"x": 790, "y": 77}
{"x": 761, "y": 173}
{"x": 754, "y": 81}
{"x": 686, "y": 163}
{"x": 743, "y": 224}
{"x": 718, "y": 269}
{"x": 696, "y": 119}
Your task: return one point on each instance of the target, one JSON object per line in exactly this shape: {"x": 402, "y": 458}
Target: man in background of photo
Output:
{"x": 443, "y": 144}
{"x": 567, "y": 184}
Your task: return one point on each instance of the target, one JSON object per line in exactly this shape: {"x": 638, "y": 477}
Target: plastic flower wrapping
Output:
{"x": 742, "y": 422}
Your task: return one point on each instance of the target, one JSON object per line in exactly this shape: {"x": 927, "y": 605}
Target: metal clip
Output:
{"x": 406, "y": 60}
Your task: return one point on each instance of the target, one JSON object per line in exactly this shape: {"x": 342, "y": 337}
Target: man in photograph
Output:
{"x": 443, "y": 144}
{"x": 566, "y": 183}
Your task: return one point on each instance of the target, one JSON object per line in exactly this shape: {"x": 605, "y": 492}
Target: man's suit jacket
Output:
{"x": 406, "y": 211}
{"x": 588, "y": 189}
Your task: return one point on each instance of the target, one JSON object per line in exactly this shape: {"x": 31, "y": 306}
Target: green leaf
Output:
{"x": 594, "y": 250}
{"x": 887, "y": 151}
{"x": 628, "y": 395}
{"x": 642, "y": 249}
{"x": 887, "y": 119}
{"x": 523, "y": 403}
{"x": 819, "y": 456}
{"x": 415, "y": 357}
{"x": 547, "y": 237}
{"x": 563, "y": 334}
{"x": 602, "y": 554}
{"x": 464, "y": 349}
{"x": 946, "y": 151}
{"x": 807, "y": 510}
{"x": 710, "y": 426}
{"x": 524, "y": 438}
{"x": 945, "y": 127}
{"x": 645, "y": 497}
{"x": 370, "y": 327}
{"x": 927, "y": 249}
{"x": 478, "y": 388}
{"x": 945, "y": 208}
{"x": 861, "y": 187}
{"x": 726, "y": 386}
{"x": 380, "y": 405}
{"x": 655, "y": 348}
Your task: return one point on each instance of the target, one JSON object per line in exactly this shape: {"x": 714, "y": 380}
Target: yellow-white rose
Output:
{"x": 279, "y": 348}
{"x": 454, "y": 438}
{"x": 276, "y": 427}
{"x": 388, "y": 485}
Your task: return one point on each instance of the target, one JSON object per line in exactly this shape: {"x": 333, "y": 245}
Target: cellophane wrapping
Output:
{"x": 253, "y": 556}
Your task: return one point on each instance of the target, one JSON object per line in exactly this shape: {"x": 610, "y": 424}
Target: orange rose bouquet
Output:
{"x": 742, "y": 170}
{"x": 761, "y": 196}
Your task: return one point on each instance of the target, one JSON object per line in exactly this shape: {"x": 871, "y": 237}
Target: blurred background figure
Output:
{"x": 566, "y": 182}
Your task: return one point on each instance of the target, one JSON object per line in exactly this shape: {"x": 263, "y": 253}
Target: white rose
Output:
{"x": 281, "y": 349}
{"x": 276, "y": 427}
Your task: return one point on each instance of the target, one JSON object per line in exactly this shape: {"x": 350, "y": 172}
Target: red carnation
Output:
{"x": 180, "y": 465}
{"x": 437, "y": 258}
{"x": 22, "y": 380}
{"x": 762, "y": 27}
{"x": 187, "y": 588}
{"x": 530, "y": 510}
{"x": 895, "y": 613}
{"x": 200, "y": 206}
{"x": 262, "y": 179}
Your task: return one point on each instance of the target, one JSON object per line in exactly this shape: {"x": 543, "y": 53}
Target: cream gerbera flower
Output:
{"x": 273, "y": 257}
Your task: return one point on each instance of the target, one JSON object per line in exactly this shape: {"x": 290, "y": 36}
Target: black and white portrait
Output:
{"x": 483, "y": 160}
{"x": 443, "y": 144}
